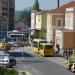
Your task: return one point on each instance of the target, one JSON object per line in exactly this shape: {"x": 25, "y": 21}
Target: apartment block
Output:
{"x": 7, "y": 10}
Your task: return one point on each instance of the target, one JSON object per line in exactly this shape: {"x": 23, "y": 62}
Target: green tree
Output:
{"x": 36, "y": 5}
{"x": 26, "y": 16}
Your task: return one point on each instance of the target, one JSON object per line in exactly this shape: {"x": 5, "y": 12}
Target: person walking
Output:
{"x": 68, "y": 53}
{"x": 58, "y": 48}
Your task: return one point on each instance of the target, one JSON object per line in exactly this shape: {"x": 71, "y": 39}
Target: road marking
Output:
{"x": 36, "y": 57}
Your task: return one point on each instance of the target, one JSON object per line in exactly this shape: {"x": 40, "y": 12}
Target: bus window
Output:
{"x": 43, "y": 41}
{"x": 41, "y": 46}
{"x": 35, "y": 44}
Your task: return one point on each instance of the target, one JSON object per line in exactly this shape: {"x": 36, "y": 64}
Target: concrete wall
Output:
{"x": 69, "y": 20}
{"x": 44, "y": 25}
{"x": 33, "y": 18}
{"x": 52, "y": 24}
{"x": 49, "y": 25}
{"x": 38, "y": 21}
{"x": 41, "y": 24}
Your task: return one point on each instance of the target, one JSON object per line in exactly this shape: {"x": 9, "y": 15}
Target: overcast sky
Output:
{"x": 44, "y": 4}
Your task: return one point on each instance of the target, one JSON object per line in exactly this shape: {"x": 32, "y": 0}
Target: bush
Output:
{"x": 11, "y": 72}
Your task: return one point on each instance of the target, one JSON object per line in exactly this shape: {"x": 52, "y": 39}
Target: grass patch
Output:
{"x": 10, "y": 72}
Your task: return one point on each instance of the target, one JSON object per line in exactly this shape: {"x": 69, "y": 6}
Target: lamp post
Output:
{"x": 22, "y": 29}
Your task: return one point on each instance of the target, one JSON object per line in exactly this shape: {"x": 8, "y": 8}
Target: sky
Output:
{"x": 44, "y": 4}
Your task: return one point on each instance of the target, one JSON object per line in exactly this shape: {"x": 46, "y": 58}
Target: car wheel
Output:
{"x": 11, "y": 66}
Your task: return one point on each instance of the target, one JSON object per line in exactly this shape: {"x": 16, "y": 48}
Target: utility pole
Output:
{"x": 8, "y": 19}
{"x": 58, "y": 3}
{"x": 0, "y": 27}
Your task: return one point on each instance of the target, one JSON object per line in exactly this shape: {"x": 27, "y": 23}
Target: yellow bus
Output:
{"x": 36, "y": 44}
{"x": 2, "y": 45}
{"x": 46, "y": 49}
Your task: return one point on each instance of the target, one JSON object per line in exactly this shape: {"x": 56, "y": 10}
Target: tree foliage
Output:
{"x": 25, "y": 15}
{"x": 36, "y": 5}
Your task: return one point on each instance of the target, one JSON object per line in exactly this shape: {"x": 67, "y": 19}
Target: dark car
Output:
{"x": 12, "y": 62}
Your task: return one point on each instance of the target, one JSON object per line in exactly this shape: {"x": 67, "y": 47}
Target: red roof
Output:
{"x": 62, "y": 8}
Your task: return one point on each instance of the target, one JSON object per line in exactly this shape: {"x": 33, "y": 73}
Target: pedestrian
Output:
{"x": 71, "y": 51}
{"x": 68, "y": 53}
{"x": 57, "y": 48}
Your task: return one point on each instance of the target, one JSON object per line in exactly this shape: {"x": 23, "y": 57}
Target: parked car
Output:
{"x": 12, "y": 62}
{"x": 14, "y": 44}
{"x": 7, "y": 60}
{"x": 7, "y": 46}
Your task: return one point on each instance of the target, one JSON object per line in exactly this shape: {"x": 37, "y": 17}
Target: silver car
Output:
{"x": 7, "y": 60}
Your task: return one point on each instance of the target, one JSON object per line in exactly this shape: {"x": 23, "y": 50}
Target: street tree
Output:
{"x": 25, "y": 15}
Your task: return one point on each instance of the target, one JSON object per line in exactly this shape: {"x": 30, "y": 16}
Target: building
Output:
{"x": 39, "y": 24}
{"x": 19, "y": 24}
{"x": 7, "y": 10}
{"x": 59, "y": 25}
{"x": 56, "y": 20}
{"x": 66, "y": 37}
{"x": 33, "y": 22}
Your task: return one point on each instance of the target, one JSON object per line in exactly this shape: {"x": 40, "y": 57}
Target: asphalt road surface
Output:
{"x": 38, "y": 65}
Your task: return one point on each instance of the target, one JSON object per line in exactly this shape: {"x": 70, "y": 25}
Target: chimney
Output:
{"x": 58, "y": 3}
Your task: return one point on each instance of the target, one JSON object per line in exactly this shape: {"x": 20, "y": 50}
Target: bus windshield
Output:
{"x": 35, "y": 44}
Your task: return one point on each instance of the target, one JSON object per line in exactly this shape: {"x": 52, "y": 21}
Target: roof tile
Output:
{"x": 62, "y": 8}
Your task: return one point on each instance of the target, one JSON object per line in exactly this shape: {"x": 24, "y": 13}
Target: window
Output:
{"x": 48, "y": 46}
{"x": 59, "y": 22}
{"x": 41, "y": 46}
{"x": 35, "y": 44}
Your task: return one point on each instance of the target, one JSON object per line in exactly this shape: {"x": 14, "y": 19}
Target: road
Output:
{"x": 37, "y": 65}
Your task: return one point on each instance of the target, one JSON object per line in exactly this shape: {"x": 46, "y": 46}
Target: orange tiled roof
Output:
{"x": 62, "y": 8}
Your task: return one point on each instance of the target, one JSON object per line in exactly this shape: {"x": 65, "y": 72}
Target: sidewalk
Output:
{"x": 58, "y": 60}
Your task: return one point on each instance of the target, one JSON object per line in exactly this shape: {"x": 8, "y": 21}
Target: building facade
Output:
{"x": 7, "y": 10}
{"x": 54, "y": 21}
{"x": 66, "y": 37}
{"x": 33, "y": 22}
{"x": 56, "y": 25}
{"x": 39, "y": 24}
